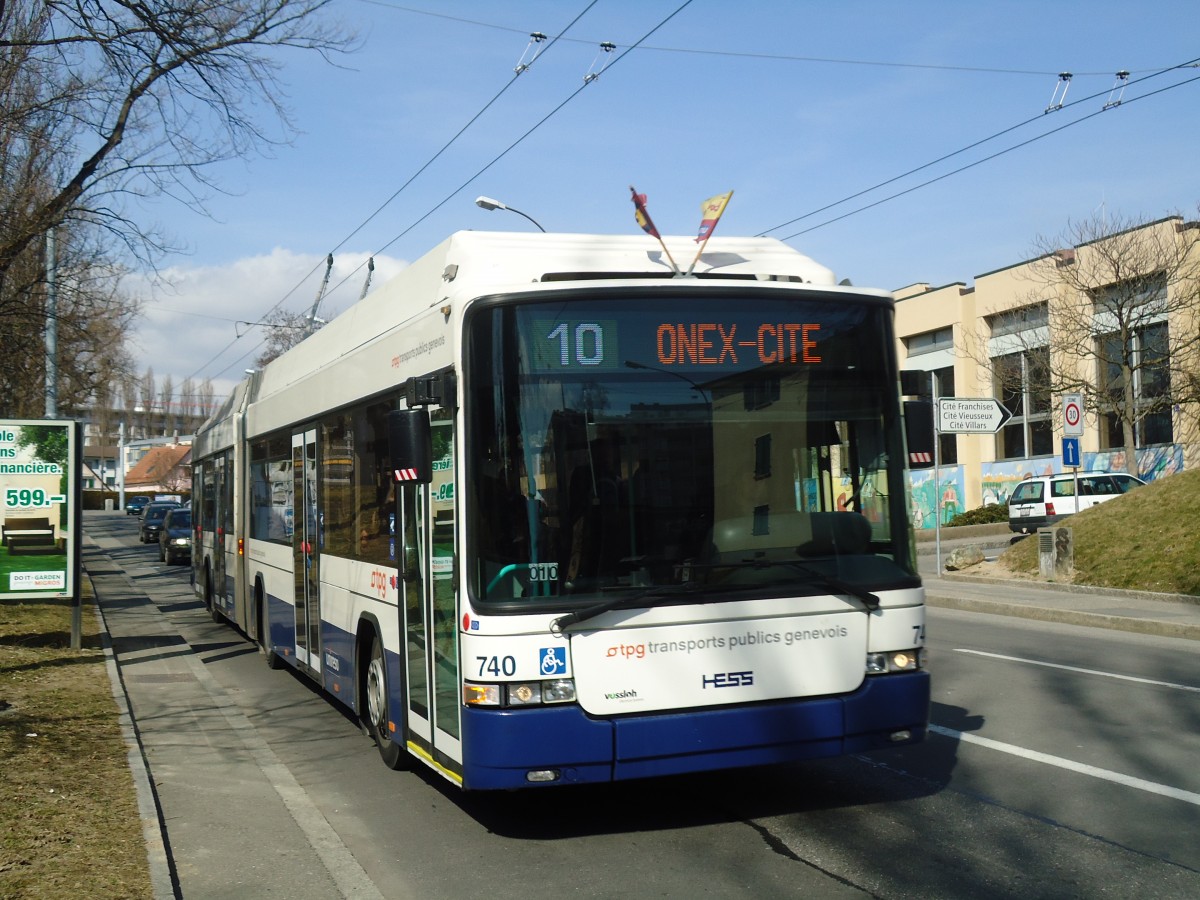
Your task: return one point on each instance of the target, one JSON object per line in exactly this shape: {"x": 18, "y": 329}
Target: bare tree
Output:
{"x": 179, "y": 479}
{"x": 166, "y": 400}
{"x": 147, "y": 397}
{"x": 92, "y": 318}
{"x": 205, "y": 399}
{"x": 187, "y": 398}
{"x": 1113, "y": 315}
{"x": 284, "y": 331}
{"x": 140, "y": 98}
{"x": 105, "y": 103}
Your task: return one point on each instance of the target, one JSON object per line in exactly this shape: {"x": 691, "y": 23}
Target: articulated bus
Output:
{"x": 542, "y": 510}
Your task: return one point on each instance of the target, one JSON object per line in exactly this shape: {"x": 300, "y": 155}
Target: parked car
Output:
{"x": 152, "y": 519}
{"x": 175, "y": 538}
{"x": 1044, "y": 500}
{"x": 135, "y": 504}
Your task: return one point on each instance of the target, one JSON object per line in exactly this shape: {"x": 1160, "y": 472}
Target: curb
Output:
{"x": 935, "y": 596}
{"x": 1191, "y": 599}
{"x": 963, "y": 532}
{"x": 162, "y": 876}
{"x": 1066, "y": 616}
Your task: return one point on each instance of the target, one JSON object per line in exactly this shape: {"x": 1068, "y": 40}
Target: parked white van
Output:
{"x": 1040, "y": 501}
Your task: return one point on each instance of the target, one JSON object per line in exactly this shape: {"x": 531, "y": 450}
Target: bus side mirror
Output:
{"x": 410, "y": 446}
{"x": 918, "y": 432}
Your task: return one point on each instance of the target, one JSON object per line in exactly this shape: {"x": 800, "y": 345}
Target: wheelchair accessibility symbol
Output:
{"x": 554, "y": 660}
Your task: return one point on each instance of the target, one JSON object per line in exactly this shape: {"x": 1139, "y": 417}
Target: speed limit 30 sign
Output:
{"x": 1072, "y": 415}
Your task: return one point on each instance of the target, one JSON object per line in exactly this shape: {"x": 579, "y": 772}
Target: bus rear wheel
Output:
{"x": 210, "y": 602}
{"x": 263, "y": 630}
{"x": 375, "y": 709}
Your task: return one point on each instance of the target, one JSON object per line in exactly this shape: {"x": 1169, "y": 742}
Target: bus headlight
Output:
{"x": 519, "y": 693}
{"x": 560, "y": 691}
{"x": 481, "y": 694}
{"x": 896, "y": 661}
{"x": 524, "y": 694}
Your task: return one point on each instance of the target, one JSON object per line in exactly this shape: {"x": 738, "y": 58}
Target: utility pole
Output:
{"x": 121, "y": 466}
{"x": 51, "y": 328}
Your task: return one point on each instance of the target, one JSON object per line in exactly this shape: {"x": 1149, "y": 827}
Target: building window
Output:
{"x": 1020, "y": 320}
{"x": 941, "y": 339}
{"x": 760, "y": 393}
{"x": 762, "y": 456}
{"x": 1147, "y": 354}
{"x": 762, "y": 520}
{"x": 1022, "y": 384}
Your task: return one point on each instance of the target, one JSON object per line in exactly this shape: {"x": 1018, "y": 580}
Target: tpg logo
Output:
{"x": 381, "y": 581}
{"x": 727, "y": 679}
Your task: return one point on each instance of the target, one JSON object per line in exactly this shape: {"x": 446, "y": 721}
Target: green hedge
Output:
{"x": 984, "y": 515}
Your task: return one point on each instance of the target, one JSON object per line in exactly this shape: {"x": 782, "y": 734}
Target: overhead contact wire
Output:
{"x": 960, "y": 151}
{"x": 385, "y": 204}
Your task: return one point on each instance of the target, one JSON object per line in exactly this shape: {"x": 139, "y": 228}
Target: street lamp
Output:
{"x": 489, "y": 203}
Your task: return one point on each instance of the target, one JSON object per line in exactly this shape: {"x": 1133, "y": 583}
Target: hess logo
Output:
{"x": 727, "y": 680}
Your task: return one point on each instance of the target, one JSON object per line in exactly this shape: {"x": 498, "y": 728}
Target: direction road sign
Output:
{"x": 1072, "y": 415}
{"x": 970, "y": 415}
{"x": 1070, "y": 454}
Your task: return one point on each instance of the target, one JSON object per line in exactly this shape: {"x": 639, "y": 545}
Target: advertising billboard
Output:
{"x": 39, "y": 474}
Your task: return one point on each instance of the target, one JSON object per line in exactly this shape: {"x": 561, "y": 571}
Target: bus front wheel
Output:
{"x": 375, "y": 709}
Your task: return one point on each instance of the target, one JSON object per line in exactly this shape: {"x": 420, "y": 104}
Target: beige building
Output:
{"x": 1032, "y": 333}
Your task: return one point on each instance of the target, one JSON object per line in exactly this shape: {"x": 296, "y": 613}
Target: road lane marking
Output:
{"x": 1082, "y": 768}
{"x": 1035, "y": 662}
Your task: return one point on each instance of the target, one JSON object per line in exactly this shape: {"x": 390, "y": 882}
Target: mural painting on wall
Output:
{"x": 927, "y": 497}
{"x": 1000, "y": 478}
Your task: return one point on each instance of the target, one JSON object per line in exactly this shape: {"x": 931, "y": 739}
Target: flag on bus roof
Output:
{"x": 643, "y": 217}
{"x": 710, "y": 213}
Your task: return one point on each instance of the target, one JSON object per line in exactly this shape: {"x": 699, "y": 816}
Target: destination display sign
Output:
{"x": 703, "y": 337}
{"x": 597, "y": 344}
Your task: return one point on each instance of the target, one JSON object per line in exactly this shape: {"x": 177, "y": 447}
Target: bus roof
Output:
{"x": 471, "y": 264}
{"x": 520, "y": 258}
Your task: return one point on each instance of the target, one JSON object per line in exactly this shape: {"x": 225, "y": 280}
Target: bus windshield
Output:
{"x": 721, "y": 443}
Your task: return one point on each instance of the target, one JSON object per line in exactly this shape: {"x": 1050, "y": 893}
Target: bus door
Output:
{"x": 429, "y": 623}
{"x": 306, "y": 551}
{"x": 221, "y": 515}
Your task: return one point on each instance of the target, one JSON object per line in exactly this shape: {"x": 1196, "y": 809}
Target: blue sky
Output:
{"x": 795, "y": 106}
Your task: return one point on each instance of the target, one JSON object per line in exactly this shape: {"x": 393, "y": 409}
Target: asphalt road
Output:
{"x": 1063, "y": 764}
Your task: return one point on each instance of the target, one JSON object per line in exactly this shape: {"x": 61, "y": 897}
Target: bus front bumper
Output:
{"x": 508, "y": 749}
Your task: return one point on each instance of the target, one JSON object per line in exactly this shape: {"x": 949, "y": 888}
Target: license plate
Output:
{"x": 1023, "y": 512}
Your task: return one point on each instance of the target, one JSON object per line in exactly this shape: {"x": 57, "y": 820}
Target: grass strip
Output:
{"x": 69, "y": 823}
{"x": 1146, "y": 540}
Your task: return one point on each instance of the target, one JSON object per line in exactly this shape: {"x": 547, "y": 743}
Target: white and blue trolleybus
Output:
{"x": 540, "y": 510}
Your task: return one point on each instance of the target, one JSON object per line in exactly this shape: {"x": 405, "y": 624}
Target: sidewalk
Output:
{"x": 177, "y": 719}
{"x": 1166, "y": 615}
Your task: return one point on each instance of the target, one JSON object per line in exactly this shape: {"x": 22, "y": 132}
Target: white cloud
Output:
{"x": 190, "y": 324}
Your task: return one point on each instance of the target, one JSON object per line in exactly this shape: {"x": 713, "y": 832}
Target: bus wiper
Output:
{"x": 590, "y": 612}
{"x": 870, "y": 601}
